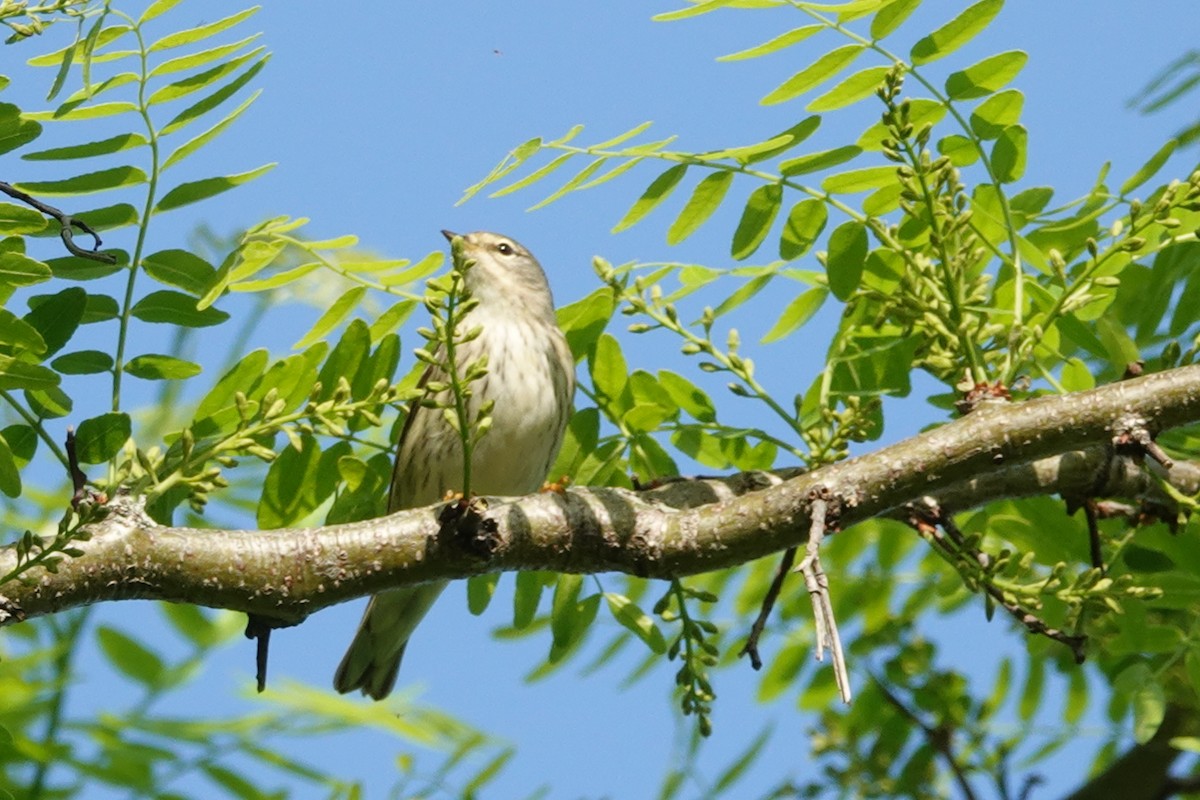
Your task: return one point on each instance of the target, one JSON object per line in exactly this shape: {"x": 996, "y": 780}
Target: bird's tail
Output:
{"x": 373, "y": 658}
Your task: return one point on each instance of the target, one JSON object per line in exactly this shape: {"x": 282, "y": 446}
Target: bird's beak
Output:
{"x": 449, "y": 235}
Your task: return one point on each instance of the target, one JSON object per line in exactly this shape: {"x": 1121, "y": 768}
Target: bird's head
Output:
{"x": 504, "y": 272}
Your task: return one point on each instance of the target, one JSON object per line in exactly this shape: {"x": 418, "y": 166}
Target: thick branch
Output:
{"x": 1048, "y": 445}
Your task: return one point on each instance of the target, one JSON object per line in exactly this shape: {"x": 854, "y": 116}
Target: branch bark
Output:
{"x": 1048, "y": 445}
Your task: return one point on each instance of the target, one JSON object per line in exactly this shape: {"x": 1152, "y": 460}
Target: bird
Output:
{"x": 531, "y": 380}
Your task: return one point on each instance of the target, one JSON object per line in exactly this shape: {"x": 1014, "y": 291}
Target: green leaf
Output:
{"x": 16, "y": 129}
{"x": 658, "y": 190}
{"x": 16, "y": 220}
{"x": 781, "y": 41}
{"x": 16, "y": 374}
{"x": 610, "y": 375}
{"x": 638, "y": 622}
{"x": 100, "y": 181}
{"x": 860, "y": 180}
{"x": 757, "y": 217}
{"x": 480, "y": 589}
{"x": 200, "y": 58}
{"x": 192, "y": 145}
{"x": 814, "y": 162}
{"x": 10, "y": 476}
{"x": 955, "y": 33}
{"x": 535, "y": 176}
{"x": 130, "y": 657}
{"x": 705, "y": 199}
{"x": 804, "y": 224}
{"x": 113, "y": 144}
{"x": 688, "y": 396}
{"x": 241, "y": 377}
{"x": 201, "y": 32}
{"x": 985, "y": 77}
{"x": 349, "y": 355}
{"x": 298, "y": 481}
{"x": 814, "y": 74}
{"x": 56, "y": 317}
{"x": 742, "y": 763}
{"x": 891, "y": 17}
{"x": 100, "y": 438}
{"x": 194, "y": 191}
{"x": 584, "y": 320}
{"x": 1150, "y": 168}
{"x": 571, "y": 185}
{"x": 743, "y": 293}
{"x": 22, "y": 441}
{"x": 998, "y": 112}
{"x": 852, "y": 89}
{"x": 165, "y": 306}
{"x": 959, "y": 149}
{"x": 847, "y": 255}
{"x": 332, "y": 317}
{"x": 526, "y": 597}
{"x": 194, "y": 83}
{"x": 798, "y": 312}
{"x": 74, "y": 111}
{"x": 155, "y": 9}
{"x": 1008, "y": 154}
{"x": 152, "y": 367}
{"x": 206, "y": 104}
{"x": 18, "y": 335}
{"x": 180, "y": 269}
{"x": 83, "y": 362}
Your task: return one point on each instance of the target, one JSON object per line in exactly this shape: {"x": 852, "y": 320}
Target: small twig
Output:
{"x": 259, "y": 628}
{"x": 78, "y": 478}
{"x": 1089, "y": 513}
{"x": 938, "y": 738}
{"x": 1132, "y": 434}
{"x": 817, "y": 584}
{"x": 923, "y": 518}
{"x": 768, "y": 603}
{"x": 66, "y": 222}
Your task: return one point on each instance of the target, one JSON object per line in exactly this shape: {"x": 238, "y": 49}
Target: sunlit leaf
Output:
{"x": 955, "y": 33}
{"x": 181, "y": 269}
{"x": 778, "y": 43}
{"x": 1150, "y": 168}
{"x": 201, "y": 32}
{"x": 985, "y": 77}
{"x": 1008, "y": 154}
{"x": 194, "y": 191}
{"x": 852, "y": 89}
{"x": 815, "y": 74}
{"x": 658, "y": 190}
{"x": 113, "y": 144}
{"x": 804, "y": 224}
{"x": 757, "y": 217}
{"x": 799, "y": 311}
{"x": 705, "y": 200}
{"x": 891, "y": 17}
{"x": 333, "y": 316}
{"x": 814, "y": 162}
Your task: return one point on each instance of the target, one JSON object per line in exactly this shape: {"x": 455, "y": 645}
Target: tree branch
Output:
{"x": 1046, "y": 445}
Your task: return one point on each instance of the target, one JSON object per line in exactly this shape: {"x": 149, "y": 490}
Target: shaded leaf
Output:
{"x": 804, "y": 224}
{"x": 152, "y": 367}
{"x": 846, "y": 257}
{"x": 100, "y": 438}
{"x": 166, "y": 306}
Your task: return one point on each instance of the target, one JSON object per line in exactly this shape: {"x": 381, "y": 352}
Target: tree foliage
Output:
{"x": 922, "y": 231}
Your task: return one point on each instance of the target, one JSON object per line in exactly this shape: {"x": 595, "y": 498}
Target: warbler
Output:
{"x": 531, "y": 381}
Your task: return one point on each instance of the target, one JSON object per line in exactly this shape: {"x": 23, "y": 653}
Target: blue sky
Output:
{"x": 381, "y": 114}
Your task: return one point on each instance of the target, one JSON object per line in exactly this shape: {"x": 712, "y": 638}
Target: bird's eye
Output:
{"x": 504, "y": 249}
